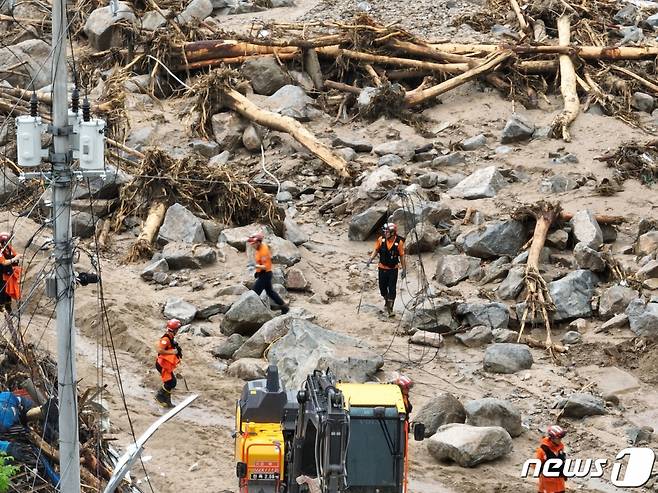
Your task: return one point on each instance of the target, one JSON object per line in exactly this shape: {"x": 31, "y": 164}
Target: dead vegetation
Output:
{"x": 633, "y": 160}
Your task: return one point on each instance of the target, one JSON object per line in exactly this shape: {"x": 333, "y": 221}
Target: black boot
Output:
{"x": 389, "y": 308}
{"x": 284, "y": 309}
{"x": 163, "y": 397}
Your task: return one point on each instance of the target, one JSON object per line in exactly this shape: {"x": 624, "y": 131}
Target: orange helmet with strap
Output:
{"x": 390, "y": 227}
{"x": 555, "y": 431}
{"x": 405, "y": 383}
{"x": 255, "y": 238}
{"x": 174, "y": 324}
{"x": 4, "y": 237}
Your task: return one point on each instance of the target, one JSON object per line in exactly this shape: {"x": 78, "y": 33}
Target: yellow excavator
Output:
{"x": 341, "y": 437}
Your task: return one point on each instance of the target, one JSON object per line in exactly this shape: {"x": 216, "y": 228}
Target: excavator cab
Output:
{"x": 259, "y": 444}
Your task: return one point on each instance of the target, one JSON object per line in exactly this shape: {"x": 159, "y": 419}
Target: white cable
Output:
{"x": 262, "y": 163}
{"x": 170, "y": 72}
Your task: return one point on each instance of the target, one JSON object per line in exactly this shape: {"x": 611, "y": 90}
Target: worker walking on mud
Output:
{"x": 551, "y": 447}
{"x": 10, "y": 288}
{"x": 169, "y": 357}
{"x": 262, "y": 261}
{"x": 390, "y": 248}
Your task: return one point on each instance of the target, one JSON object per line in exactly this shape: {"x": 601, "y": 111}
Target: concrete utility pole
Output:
{"x": 62, "y": 179}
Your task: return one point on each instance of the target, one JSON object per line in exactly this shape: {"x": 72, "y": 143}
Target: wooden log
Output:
{"x": 430, "y": 52}
{"x": 228, "y": 48}
{"x": 143, "y": 245}
{"x": 373, "y": 75}
{"x": 415, "y": 97}
{"x": 523, "y": 24}
{"x": 313, "y": 68}
{"x": 407, "y": 74}
{"x": 215, "y": 62}
{"x": 568, "y": 85}
{"x": 342, "y": 87}
{"x": 648, "y": 84}
{"x": 536, "y": 343}
{"x": 237, "y": 102}
{"x": 600, "y": 218}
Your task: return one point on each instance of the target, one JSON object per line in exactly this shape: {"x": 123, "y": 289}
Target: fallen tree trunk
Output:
{"x": 342, "y": 87}
{"x": 600, "y": 218}
{"x": 568, "y": 85}
{"x": 430, "y": 52}
{"x": 237, "y": 102}
{"x": 143, "y": 245}
{"x": 313, "y": 69}
{"x": 211, "y": 49}
{"x": 215, "y": 62}
{"x": 415, "y": 97}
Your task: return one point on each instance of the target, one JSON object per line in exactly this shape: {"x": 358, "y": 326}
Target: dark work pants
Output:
{"x": 388, "y": 280}
{"x": 264, "y": 283}
{"x": 169, "y": 385}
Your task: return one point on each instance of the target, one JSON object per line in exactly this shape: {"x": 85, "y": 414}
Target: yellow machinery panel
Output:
{"x": 370, "y": 394}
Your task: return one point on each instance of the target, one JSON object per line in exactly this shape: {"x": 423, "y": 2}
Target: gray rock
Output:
{"x": 283, "y": 251}
{"x": 522, "y": 258}
{"x": 211, "y": 230}
{"x": 307, "y": 347}
{"x": 271, "y": 331}
{"x": 567, "y": 158}
{"x": 586, "y": 258}
{"x": 473, "y": 143}
{"x": 83, "y": 224}
{"x": 516, "y": 129}
{"x": 294, "y": 233}
{"x": 220, "y": 159}
{"x": 234, "y": 290}
{"x": 616, "y": 322}
{"x": 246, "y": 316}
{"x": 476, "y": 337}
{"x": 237, "y": 237}
{"x": 507, "y": 358}
{"x": 402, "y": 148}
{"x": 247, "y": 369}
{"x": 186, "y": 256}
{"x": 572, "y": 337}
{"x": 378, "y": 182}
{"x": 512, "y": 285}
{"x": 180, "y": 309}
{"x": 558, "y": 239}
{"x": 631, "y": 35}
{"x": 483, "y": 183}
{"x": 430, "y": 315}
{"x": 9, "y": 184}
{"x": 572, "y": 295}
{"x": 652, "y": 20}
{"x": 389, "y": 160}
{"x": 497, "y": 238}
{"x": 451, "y": 269}
{"x": 364, "y": 224}
{"x": 356, "y": 143}
{"x": 423, "y": 238}
{"x": 32, "y": 57}
{"x": 221, "y": 304}
{"x": 648, "y": 271}
{"x": 408, "y": 217}
{"x": 494, "y": 412}
{"x": 104, "y": 29}
{"x": 196, "y": 10}
{"x": 292, "y": 101}
{"x": 427, "y": 180}
{"x": 492, "y": 315}
{"x": 586, "y": 230}
{"x": 347, "y": 153}
{"x": 251, "y": 139}
{"x": 227, "y": 128}
{"x": 104, "y": 188}
{"x": 647, "y": 244}
{"x": 440, "y": 410}
{"x": 290, "y": 187}
{"x": 579, "y": 405}
{"x": 226, "y": 349}
{"x": 505, "y": 335}
{"x": 157, "y": 266}
{"x": 615, "y": 300}
{"x": 452, "y": 159}
{"x": 557, "y": 184}
{"x": 296, "y": 280}
{"x": 639, "y": 435}
{"x": 265, "y": 74}
{"x": 643, "y": 319}
{"x": 627, "y": 15}
{"x": 468, "y": 445}
{"x": 423, "y": 338}
{"x": 642, "y": 101}
{"x": 161, "y": 278}
{"x": 181, "y": 225}
{"x": 153, "y": 19}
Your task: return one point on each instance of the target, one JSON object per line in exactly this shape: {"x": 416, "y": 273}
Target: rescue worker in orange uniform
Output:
{"x": 390, "y": 248}
{"x": 169, "y": 356}
{"x": 405, "y": 383}
{"x": 551, "y": 447}
{"x": 10, "y": 288}
{"x": 263, "y": 263}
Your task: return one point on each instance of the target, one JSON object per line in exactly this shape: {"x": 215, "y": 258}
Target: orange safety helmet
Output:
{"x": 555, "y": 431}
{"x": 391, "y": 227}
{"x": 4, "y": 237}
{"x": 255, "y": 238}
{"x": 174, "y": 324}
{"x": 405, "y": 383}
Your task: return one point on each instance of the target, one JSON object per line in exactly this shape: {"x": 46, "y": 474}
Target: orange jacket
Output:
{"x": 11, "y": 283}
{"x": 263, "y": 256}
{"x": 168, "y": 362}
{"x": 550, "y": 485}
{"x": 389, "y": 245}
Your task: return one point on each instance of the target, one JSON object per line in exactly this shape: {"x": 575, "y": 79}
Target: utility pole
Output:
{"x": 62, "y": 180}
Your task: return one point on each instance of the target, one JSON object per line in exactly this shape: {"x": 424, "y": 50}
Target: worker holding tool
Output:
{"x": 169, "y": 357}
{"x": 10, "y": 287}
{"x": 262, "y": 262}
{"x": 551, "y": 447}
{"x": 390, "y": 248}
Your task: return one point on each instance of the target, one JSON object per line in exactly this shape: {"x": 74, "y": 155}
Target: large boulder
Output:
{"x": 294, "y": 233}
{"x": 237, "y": 237}
{"x": 270, "y": 331}
{"x": 483, "y": 183}
{"x": 478, "y": 336}
{"x": 430, "y": 315}
{"x": 105, "y": 29}
{"x": 160, "y": 265}
{"x": 512, "y": 285}
{"x": 615, "y": 300}
{"x": 364, "y": 224}
{"x": 307, "y": 347}
{"x": 469, "y": 445}
{"x": 180, "y": 309}
{"x": 227, "y": 129}
{"x": 181, "y": 225}
{"x": 647, "y": 244}
{"x": 572, "y": 295}
{"x": 586, "y": 229}
{"x": 507, "y": 358}
{"x": 83, "y": 224}
{"x": 283, "y": 251}
{"x": 378, "y": 182}
{"x": 246, "y": 316}
{"x": 494, "y": 412}
{"x": 413, "y": 214}
{"x": 451, "y": 269}
{"x": 247, "y": 369}
{"x": 32, "y": 57}
{"x": 588, "y": 258}
{"x": 296, "y": 280}
{"x": 105, "y": 188}
{"x": 187, "y": 256}
{"x": 495, "y": 239}
{"x": 423, "y": 238}
{"x": 440, "y": 410}
{"x": 643, "y": 319}
{"x": 492, "y": 315}
{"x": 265, "y": 74}
{"x": 226, "y": 349}
{"x": 579, "y": 405}
{"x": 292, "y": 101}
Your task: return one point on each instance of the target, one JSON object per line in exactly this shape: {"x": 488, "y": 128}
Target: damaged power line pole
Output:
{"x": 62, "y": 180}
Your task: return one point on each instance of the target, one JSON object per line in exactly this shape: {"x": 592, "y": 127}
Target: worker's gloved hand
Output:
{"x": 251, "y": 264}
{"x": 369, "y": 262}
{"x": 403, "y": 274}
